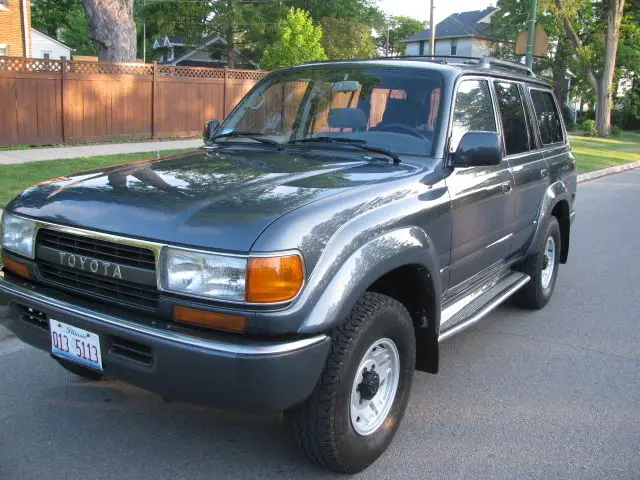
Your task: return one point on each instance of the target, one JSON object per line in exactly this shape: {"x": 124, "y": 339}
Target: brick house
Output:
{"x": 15, "y": 28}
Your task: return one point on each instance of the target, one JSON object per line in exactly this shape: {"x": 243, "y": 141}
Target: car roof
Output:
{"x": 453, "y": 66}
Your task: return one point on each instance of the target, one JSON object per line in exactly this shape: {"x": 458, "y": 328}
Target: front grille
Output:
{"x": 99, "y": 249}
{"x": 113, "y": 290}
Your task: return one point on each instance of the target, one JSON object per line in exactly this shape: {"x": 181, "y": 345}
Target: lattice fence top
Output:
{"x": 246, "y": 74}
{"x": 189, "y": 72}
{"x": 109, "y": 68}
{"x": 17, "y": 64}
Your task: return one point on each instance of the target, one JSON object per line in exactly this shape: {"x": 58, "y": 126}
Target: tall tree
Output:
{"x": 76, "y": 33}
{"x": 298, "y": 41}
{"x": 346, "y": 39}
{"x": 602, "y": 82}
{"x": 394, "y": 31}
{"x": 50, "y": 15}
{"x": 113, "y": 29}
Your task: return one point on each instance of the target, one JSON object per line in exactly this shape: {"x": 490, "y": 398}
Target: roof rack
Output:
{"x": 481, "y": 62}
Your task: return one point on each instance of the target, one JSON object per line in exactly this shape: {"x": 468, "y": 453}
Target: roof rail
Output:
{"x": 482, "y": 62}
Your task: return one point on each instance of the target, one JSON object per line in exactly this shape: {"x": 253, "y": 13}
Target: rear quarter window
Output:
{"x": 547, "y": 117}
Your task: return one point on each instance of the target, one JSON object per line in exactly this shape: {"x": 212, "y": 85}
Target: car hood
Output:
{"x": 221, "y": 199}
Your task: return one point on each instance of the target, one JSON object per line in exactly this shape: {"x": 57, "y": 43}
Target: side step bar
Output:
{"x": 481, "y": 305}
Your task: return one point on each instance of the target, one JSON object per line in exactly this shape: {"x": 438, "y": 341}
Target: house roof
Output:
{"x": 168, "y": 41}
{"x": 462, "y": 24}
{"x": 33, "y": 30}
{"x": 205, "y": 43}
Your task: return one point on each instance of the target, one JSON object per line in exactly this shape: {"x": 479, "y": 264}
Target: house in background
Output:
{"x": 212, "y": 52}
{"x": 462, "y": 34}
{"x": 43, "y": 46}
{"x": 15, "y": 28}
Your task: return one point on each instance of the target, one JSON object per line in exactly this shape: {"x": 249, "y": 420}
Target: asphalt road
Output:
{"x": 549, "y": 394}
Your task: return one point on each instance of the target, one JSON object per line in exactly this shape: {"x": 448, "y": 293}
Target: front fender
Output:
{"x": 380, "y": 255}
{"x": 555, "y": 193}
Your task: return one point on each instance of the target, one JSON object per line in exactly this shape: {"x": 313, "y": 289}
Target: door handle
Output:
{"x": 507, "y": 187}
{"x": 544, "y": 173}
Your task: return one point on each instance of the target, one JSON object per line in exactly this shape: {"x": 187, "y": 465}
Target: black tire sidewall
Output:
{"x": 552, "y": 230}
{"x": 363, "y": 450}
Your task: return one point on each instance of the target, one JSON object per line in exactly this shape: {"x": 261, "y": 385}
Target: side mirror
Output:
{"x": 210, "y": 128}
{"x": 478, "y": 149}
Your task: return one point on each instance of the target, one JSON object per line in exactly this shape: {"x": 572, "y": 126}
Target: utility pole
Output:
{"x": 144, "y": 32}
{"x": 531, "y": 34}
{"x": 432, "y": 40}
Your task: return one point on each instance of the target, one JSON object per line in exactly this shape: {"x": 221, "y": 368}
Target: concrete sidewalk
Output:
{"x": 56, "y": 153}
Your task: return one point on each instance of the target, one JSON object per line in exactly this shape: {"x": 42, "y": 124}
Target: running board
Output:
{"x": 480, "y": 305}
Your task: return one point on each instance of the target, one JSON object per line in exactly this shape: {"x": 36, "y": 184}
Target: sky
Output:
{"x": 420, "y": 8}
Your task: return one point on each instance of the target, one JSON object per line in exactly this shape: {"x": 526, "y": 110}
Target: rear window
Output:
{"x": 547, "y": 117}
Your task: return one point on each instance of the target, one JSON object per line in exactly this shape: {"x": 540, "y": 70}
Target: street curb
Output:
{"x": 585, "y": 177}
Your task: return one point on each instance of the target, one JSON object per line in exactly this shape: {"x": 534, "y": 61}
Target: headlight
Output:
{"x": 209, "y": 275}
{"x": 18, "y": 235}
{"x": 255, "y": 279}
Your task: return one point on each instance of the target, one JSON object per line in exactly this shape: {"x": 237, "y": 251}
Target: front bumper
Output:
{"x": 226, "y": 371}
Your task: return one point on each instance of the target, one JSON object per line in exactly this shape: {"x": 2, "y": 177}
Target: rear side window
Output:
{"x": 547, "y": 117}
{"x": 473, "y": 110}
{"x": 514, "y": 121}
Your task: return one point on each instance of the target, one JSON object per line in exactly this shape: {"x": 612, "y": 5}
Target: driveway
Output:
{"x": 549, "y": 394}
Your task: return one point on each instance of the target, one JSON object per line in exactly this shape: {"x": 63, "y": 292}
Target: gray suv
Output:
{"x": 345, "y": 219}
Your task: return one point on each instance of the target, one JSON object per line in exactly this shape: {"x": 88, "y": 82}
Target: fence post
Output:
{"x": 153, "y": 103}
{"x": 63, "y": 78}
{"x": 224, "y": 93}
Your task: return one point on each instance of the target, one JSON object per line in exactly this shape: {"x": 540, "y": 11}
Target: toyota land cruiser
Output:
{"x": 343, "y": 220}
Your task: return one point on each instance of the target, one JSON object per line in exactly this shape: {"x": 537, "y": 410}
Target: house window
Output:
{"x": 422, "y": 48}
{"x": 4, "y": 50}
{"x": 454, "y": 46}
{"x": 4, "y": 4}
{"x": 63, "y": 57}
{"x": 46, "y": 54}
{"x": 171, "y": 55}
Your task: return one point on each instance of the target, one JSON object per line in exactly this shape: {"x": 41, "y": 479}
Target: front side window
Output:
{"x": 395, "y": 109}
{"x": 4, "y": 4}
{"x": 473, "y": 110}
{"x": 514, "y": 121}
{"x": 547, "y": 117}
{"x": 4, "y": 51}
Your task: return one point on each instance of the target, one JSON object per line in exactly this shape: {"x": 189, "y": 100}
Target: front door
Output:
{"x": 481, "y": 202}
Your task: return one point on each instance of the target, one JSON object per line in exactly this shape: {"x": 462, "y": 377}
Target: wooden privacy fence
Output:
{"x": 56, "y": 101}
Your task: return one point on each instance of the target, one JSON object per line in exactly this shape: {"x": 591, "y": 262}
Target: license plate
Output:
{"x": 75, "y": 344}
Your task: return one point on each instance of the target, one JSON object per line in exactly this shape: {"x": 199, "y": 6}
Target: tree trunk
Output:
{"x": 112, "y": 27}
{"x": 229, "y": 36}
{"x": 603, "y": 109}
{"x": 559, "y": 69}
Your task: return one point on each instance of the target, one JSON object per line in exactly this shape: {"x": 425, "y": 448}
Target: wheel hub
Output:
{"x": 374, "y": 386}
{"x": 370, "y": 384}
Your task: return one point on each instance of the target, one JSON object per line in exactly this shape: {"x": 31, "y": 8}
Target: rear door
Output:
{"x": 480, "y": 200}
{"x": 526, "y": 161}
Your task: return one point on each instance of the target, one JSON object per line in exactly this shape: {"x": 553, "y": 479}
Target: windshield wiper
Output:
{"x": 250, "y": 135}
{"x": 353, "y": 142}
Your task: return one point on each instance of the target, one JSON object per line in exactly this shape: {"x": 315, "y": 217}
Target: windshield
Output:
{"x": 394, "y": 109}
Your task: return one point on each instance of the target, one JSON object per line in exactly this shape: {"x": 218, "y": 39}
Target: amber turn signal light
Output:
{"x": 204, "y": 318}
{"x": 273, "y": 279}
{"x": 16, "y": 268}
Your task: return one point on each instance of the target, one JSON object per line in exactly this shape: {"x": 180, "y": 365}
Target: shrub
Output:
{"x": 589, "y": 127}
{"x": 616, "y": 131}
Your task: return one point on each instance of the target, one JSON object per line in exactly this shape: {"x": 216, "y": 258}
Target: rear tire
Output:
{"x": 542, "y": 267}
{"x": 361, "y": 396}
{"x": 80, "y": 371}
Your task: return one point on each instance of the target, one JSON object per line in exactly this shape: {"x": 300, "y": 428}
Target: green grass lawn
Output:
{"x": 596, "y": 153}
{"x": 15, "y": 178}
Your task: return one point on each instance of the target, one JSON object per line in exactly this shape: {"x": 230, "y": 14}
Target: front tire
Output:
{"x": 542, "y": 267}
{"x": 361, "y": 396}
